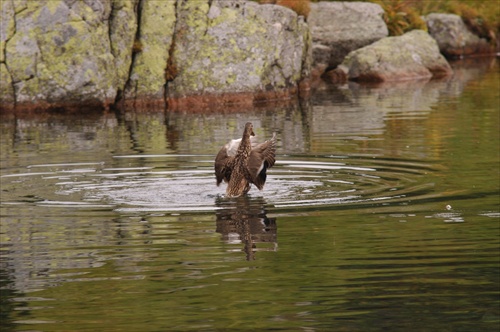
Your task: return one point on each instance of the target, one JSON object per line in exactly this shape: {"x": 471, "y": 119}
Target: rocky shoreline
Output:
{"x": 194, "y": 54}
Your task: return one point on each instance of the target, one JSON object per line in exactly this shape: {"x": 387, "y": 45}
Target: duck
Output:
{"x": 242, "y": 162}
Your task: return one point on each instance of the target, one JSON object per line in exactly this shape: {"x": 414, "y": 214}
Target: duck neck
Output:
{"x": 245, "y": 146}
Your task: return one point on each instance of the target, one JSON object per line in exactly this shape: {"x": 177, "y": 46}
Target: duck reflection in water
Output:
{"x": 244, "y": 220}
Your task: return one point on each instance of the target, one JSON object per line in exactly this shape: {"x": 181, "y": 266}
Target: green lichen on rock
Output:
{"x": 61, "y": 52}
{"x": 7, "y": 30}
{"x": 7, "y": 25}
{"x": 122, "y": 31}
{"x": 147, "y": 77}
{"x": 192, "y": 44}
{"x": 77, "y": 51}
{"x": 6, "y": 88}
{"x": 237, "y": 46}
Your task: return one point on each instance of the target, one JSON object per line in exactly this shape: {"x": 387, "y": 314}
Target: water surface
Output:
{"x": 381, "y": 213}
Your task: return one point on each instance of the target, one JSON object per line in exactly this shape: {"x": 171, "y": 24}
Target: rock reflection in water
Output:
{"x": 244, "y": 220}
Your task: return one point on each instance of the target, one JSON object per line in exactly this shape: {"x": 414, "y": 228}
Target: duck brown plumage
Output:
{"x": 241, "y": 163}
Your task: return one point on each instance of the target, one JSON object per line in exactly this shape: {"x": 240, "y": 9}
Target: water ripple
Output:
{"x": 185, "y": 183}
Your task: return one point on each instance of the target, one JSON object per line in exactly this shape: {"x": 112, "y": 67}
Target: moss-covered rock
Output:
{"x": 72, "y": 52}
{"x": 7, "y": 30}
{"x": 61, "y": 52}
{"x": 7, "y": 26}
{"x": 122, "y": 33}
{"x": 6, "y": 88}
{"x": 237, "y": 46}
{"x": 151, "y": 50}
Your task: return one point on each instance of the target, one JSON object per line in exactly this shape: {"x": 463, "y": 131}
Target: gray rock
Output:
{"x": 7, "y": 96}
{"x": 237, "y": 47}
{"x": 414, "y": 55}
{"x": 7, "y": 30}
{"x": 93, "y": 51}
{"x": 338, "y": 28}
{"x": 453, "y": 37}
{"x": 122, "y": 33}
{"x": 155, "y": 37}
{"x": 60, "y": 51}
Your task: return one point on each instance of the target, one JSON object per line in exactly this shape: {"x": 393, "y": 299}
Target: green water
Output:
{"x": 381, "y": 214}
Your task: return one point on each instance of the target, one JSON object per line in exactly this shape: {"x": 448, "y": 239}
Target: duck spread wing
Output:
{"x": 234, "y": 144}
{"x": 232, "y": 147}
{"x": 223, "y": 165}
{"x": 261, "y": 158}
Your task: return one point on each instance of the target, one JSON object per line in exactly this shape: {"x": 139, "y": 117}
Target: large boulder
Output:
{"x": 123, "y": 24}
{"x": 7, "y": 30}
{"x": 337, "y": 28}
{"x": 453, "y": 37}
{"x": 236, "y": 49}
{"x": 414, "y": 55}
{"x": 94, "y": 52}
{"x": 151, "y": 51}
{"x": 60, "y": 51}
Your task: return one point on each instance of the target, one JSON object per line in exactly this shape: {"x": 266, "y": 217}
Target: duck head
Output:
{"x": 249, "y": 129}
